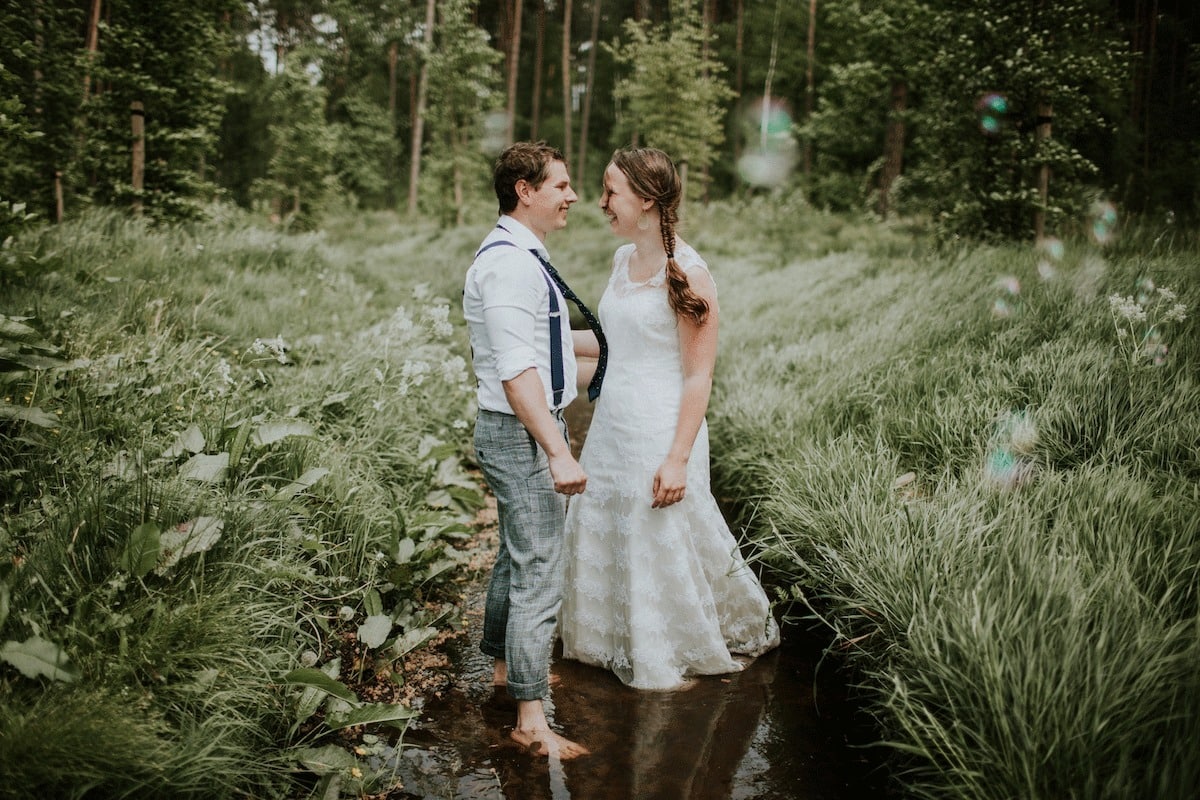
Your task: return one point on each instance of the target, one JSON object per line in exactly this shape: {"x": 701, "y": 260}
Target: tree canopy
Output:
{"x": 979, "y": 116}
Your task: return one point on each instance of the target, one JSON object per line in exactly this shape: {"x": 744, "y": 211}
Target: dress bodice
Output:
{"x": 641, "y": 327}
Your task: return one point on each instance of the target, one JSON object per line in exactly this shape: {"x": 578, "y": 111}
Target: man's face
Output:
{"x": 548, "y": 204}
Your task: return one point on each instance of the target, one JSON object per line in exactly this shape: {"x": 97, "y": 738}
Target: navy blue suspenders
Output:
{"x": 557, "y": 379}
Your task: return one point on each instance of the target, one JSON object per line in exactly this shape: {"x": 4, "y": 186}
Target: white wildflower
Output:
{"x": 415, "y": 371}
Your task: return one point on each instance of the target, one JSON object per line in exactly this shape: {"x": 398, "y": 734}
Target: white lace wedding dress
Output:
{"x": 652, "y": 594}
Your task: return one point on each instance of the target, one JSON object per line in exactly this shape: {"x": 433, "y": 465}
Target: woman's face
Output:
{"x": 620, "y": 204}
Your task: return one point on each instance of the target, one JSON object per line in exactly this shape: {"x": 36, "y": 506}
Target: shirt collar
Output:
{"x": 520, "y": 235}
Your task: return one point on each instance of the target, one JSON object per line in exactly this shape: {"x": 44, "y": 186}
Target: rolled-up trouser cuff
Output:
{"x": 492, "y": 649}
{"x": 529, "y": 691}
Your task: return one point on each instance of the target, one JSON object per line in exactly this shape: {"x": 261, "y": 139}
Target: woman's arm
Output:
{"x": 698, "y": 345}
{"x": 585, "y": 343}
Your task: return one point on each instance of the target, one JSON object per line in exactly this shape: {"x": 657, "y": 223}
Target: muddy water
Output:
{"x": 779, "y": 730}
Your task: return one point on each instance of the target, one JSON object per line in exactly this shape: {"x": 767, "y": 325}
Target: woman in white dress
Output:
{"x": 656, "y": 589}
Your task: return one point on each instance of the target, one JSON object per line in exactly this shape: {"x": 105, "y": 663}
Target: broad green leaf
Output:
{"x": 451, "y": 473}
{"x": 206, "y": 468}
{"x": 319, "y": 680}
{"x": 468, "y": 497}
{"x": 35, "y": 657}
{"x": 31, "y": 414}
{"x": 32, "y": 361}
{"x": 373, "y": 603}
{"x": 375, "y": 630}
{"x": 412, "y": 639}
{"x": 270, "y": 432}
{"x": 141, "y": 549}
{"x": 438, "y": 498}
{"x": 404, "y": 550}
{"x": 301, "y": 484}
{"x": 15, "y": 328}
{"x": 187, "y": 538}
{"x": 189, "y": 441}
{"x": 373, "y": 713}
{"x": 239, "y": 443}
{"x": 323, "y": 760}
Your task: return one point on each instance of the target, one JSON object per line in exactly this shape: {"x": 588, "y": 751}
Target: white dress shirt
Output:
{"x": 506, "y": 303}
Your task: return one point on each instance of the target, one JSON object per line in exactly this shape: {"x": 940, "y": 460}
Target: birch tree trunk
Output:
{"x": 418, "y": 131}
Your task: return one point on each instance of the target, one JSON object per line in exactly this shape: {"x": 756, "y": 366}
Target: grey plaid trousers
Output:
{"x": 525, "y": 590}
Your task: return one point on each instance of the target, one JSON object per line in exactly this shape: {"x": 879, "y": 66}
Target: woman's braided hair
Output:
{"x": 652, "y": 176}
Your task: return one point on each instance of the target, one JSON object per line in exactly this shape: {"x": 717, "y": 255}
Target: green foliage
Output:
{"x": 973, "y": 170}
{"x": 299, "y": 180}
{"x": 252, "y": 458}
{"x": 463, "y": 91}
{"x": 366, "y": 151}
{"x": 956, "y": 461}
{"x": 671, "y": 95}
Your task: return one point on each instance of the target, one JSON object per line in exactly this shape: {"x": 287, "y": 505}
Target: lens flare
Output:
{"x": 1103, "y": 218}
{"x": 1146, "y": 291}
{"x": 770, "y": 144}
{"x": 992, "y": 109}
{"x": 493, "y": 139}
{"x": 1008, "y": 302}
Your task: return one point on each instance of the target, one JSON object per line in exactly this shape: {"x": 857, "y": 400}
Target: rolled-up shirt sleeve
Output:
{"x": 510, "y": 316}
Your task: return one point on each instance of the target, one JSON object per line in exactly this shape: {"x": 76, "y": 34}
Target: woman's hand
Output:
{"x": 670, "y": 483}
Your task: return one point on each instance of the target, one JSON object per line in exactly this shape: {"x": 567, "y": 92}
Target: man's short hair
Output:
{"x": 527, "y": 161}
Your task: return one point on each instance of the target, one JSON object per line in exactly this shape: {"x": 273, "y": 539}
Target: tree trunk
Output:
{"x": 1148, "y": 88}
{"x": 418, "y": 131}
{"x": 587, "y": 93}
{"x": 893, "y": 146}
{"x": 138, "y": 125}
{"x": 738, "y": 80}
{"x": 459, "y": 202}
{"x": 538, "y": 56}
{"x": 92, "y": 46}
{"x": 1045, "y": 120}
{"x": 809, "y": 86}
{"x": 566, "y": 81}
{"x": 514, "y": 64}
{"x": 393, "y": 59}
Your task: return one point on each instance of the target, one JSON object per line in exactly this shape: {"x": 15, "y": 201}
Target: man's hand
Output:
{"x": 569, "y": 478}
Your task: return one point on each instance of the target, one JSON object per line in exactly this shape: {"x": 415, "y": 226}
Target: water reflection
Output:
{"x": 754, "y": 735}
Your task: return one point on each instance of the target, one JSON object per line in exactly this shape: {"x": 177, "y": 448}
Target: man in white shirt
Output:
{"x": 525, "y": 366}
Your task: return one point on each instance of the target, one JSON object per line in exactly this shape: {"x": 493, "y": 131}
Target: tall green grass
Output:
{"x": 953, "y": 460}
{"x": 247, "y": 448}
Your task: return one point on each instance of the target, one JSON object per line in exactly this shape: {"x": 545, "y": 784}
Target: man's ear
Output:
{"x": 523, "y": 190}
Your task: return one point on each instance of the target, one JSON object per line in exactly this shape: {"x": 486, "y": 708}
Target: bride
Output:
{"x": 656, "y": 589}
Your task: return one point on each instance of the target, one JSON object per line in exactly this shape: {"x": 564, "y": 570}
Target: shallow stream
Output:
{"x": 779, "y": 730}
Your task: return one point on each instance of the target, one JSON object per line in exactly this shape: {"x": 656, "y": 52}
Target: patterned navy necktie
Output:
{"x": 588, "y": 317}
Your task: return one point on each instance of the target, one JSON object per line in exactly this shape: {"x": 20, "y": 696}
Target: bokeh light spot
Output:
{"x": 1103, "y": 218}
{"x": 992, "y": 110}
{"x": 770, "y": 154}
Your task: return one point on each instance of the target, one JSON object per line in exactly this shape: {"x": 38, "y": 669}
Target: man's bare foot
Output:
{"x": 544, "y": 742}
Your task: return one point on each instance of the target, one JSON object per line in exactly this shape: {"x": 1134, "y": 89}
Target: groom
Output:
{"x": 526, "y": 372}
